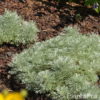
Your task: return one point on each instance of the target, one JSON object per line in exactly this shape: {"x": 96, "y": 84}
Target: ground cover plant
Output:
{"x": 65, "y": 67}
{"x": 14, "y": 30}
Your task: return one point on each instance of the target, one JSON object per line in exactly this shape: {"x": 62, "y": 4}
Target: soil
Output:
{"x": 51, "y": 17}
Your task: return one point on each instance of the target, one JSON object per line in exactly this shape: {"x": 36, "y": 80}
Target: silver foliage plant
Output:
{"x": 14, "y": 30}
{"x": 64, "y": 67}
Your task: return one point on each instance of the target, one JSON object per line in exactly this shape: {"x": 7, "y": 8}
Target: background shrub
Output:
{"x": 14, "y": 30}
{"x": 64, "y": 67}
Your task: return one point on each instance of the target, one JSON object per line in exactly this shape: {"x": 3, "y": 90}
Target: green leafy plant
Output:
{"x": 14, "y": 30}
{"x": 94, "y": 3}
{"x": 96, "y": 7}
{"x": 64, "y": 67}
{"x": 78, "y": 17}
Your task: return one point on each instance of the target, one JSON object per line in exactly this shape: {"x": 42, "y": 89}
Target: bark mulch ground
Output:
{"x": 51, "y": 18}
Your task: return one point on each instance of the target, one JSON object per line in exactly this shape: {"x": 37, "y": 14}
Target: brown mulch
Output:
{"x": 51, "y": 19}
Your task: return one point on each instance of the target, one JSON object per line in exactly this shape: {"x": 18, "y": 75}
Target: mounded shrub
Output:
{"x": 64, "y": 67}
{"x": 14, "y": 30}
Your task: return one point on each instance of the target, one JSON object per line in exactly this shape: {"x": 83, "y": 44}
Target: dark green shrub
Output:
{"x": 14, "y": 30}
{"x": 64, "y": 67}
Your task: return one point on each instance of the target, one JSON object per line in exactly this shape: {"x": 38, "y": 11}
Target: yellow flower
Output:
{"x": 1, "y": 96}
{"x": 5, "y": 95}
{"x": 14, "y": 96}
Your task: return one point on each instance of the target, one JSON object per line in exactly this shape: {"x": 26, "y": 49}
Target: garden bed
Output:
{"x": 51, "y": 19}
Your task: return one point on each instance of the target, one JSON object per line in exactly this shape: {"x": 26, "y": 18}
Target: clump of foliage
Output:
{"x": 14, "y": 30}
{"x": 64, "y": 67}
